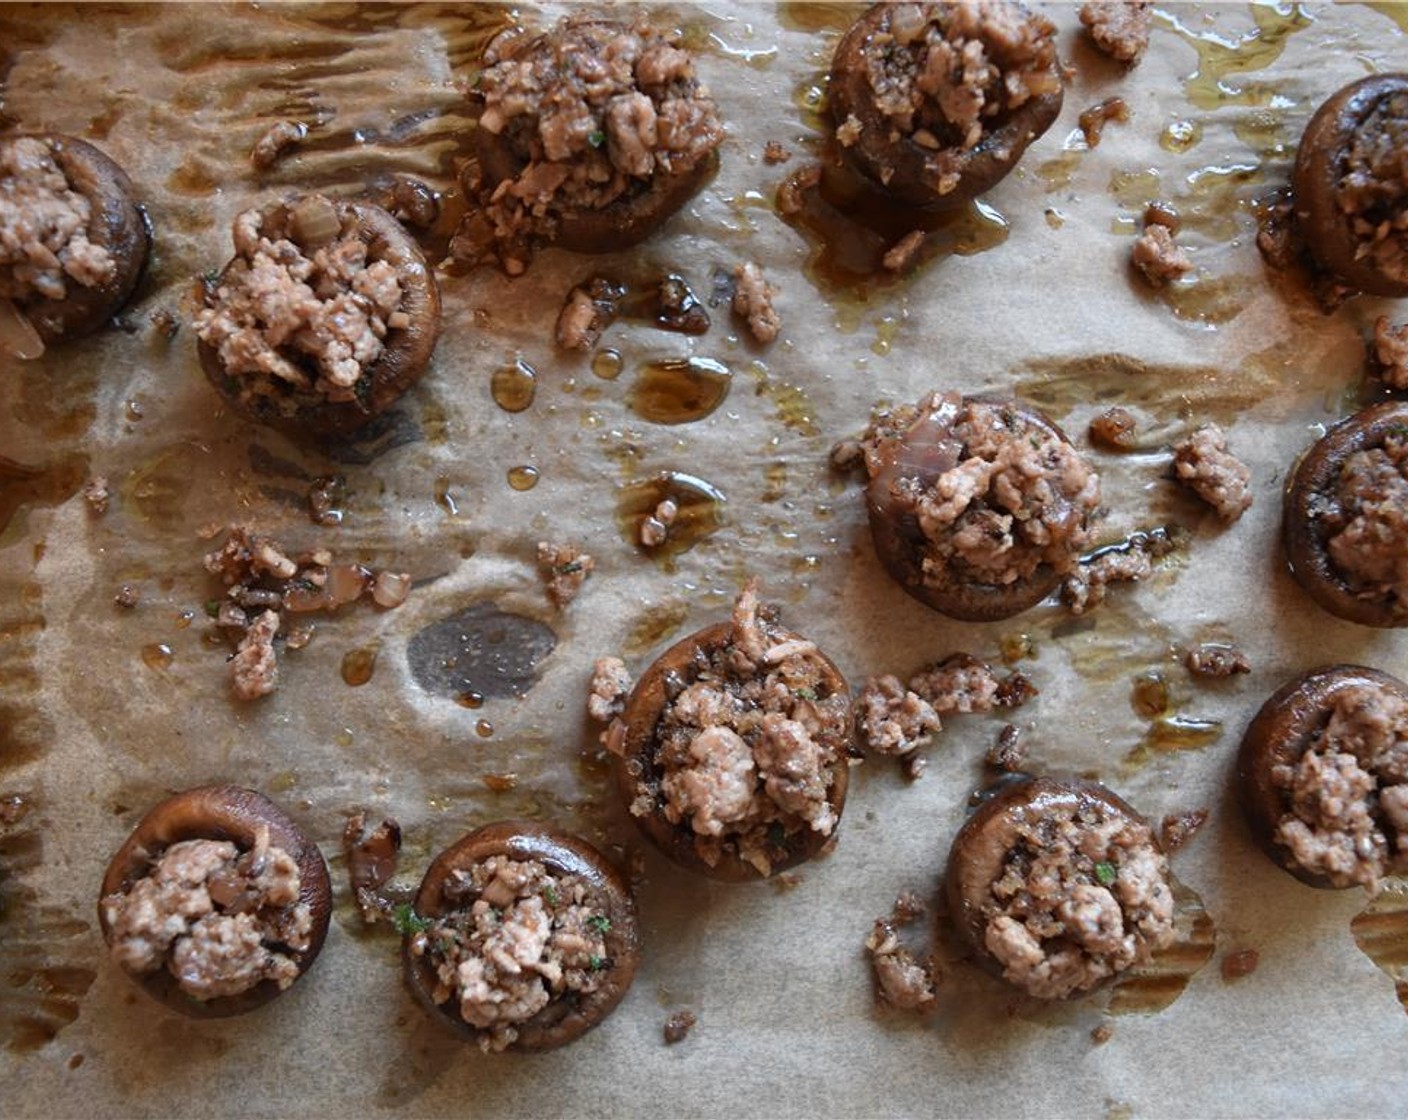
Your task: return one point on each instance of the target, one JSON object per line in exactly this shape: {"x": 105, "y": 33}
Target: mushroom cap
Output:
{"x": 116, "y": 224}
{"x": 633, "y": 767}
{"x": 1317, "y": 474}
{"x": 220, "y": 813}
{"x": 1315, "y": 184}
{"x": 566, "y": 1018}
{"x": 405, "y": 355}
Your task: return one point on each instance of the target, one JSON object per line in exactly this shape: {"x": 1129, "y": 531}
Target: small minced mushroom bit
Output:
{"x": 1323, "y": 776}
{"x": 219, "y": 919}
{"x": 589, "y": 136}
{"x": 732, "y": 749}
{"x": 936, "y": 102}
{"x": 1067, "y": 887}
{"x": 514, "y": 938}
{"x": 317, "y": 297}
{"x": 978, "y": 508}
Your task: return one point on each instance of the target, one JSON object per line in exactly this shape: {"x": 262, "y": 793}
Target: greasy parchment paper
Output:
{"x": 92, "y": 731}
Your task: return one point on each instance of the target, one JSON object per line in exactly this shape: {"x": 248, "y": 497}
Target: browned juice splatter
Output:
{"x": 1157, "y": 984}
{"x": 358, "y": 665}
{"x": 514, "y": 386}
{"x": 679, "y": 390}
{"x": 1381, "y": 932}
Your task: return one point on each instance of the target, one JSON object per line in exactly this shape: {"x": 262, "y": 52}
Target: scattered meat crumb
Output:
{"x": 655, "y": 529}
{"x": 96, "y": 494}
{"x": 775, "y": 153}
{"x": 500, "y": 783}
{"x": 898, "y": 257}
{"x": 1390, "y": 349}
{"x": 913, "y": 765}
{"x": 1128, "y": 562}
{"x": 901, "y": 979}
{"x": 590, "y": 308}
{"x": 752, "y": 300}
{"x": 1093, "y": 120}
{"x": 1239, "y": 964}
{"x": 564, "y": 569}
{"x": 1102, "y": 1034}
{"x": 127, "y": 596}
{"x": 1213, "y": 659}
{"x": 1157, "y": 256}
{"x": 1202, "y": 463}
{"x": 1120, "y": 28}
{"x": 255, "y": 669}
{"x": 789, "y": 194}
{"x": 1008, "y": 752}
{"x": 1115, "y": 428}
{"x": 610, "y": 685}
{"x": 1177, "y": 830}
{"x": 271, "y": 145}
{"x": 164, "y": 323}
{"x": 326, "y": 495}
{"x": 678, "y": 1026}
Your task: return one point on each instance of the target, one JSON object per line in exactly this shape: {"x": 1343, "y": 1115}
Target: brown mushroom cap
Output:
{"x": 1320, "y": 168}
{"x": 406, "y": 352}
{"x": 563, "y": 854}
{"x": 115, "y": 224}
{"x": 1302, "y": 530}
{"x": 980, "y": 849}
{"x": 221, "y": 813}
{"x": 634, "y": 770}
{"x": 899, "y": 165}
{"x": 922, "y": 453}
{"x": 1279, "y": 735}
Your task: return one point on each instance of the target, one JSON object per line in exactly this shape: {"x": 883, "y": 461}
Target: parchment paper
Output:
{"x": 92, "y": 732}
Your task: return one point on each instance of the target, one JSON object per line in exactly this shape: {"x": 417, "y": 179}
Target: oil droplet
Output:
{"x": 470, "y": 699}
{"x": 523, "y": 478}
{"x": 1054, "y": 218}
{"x": 358, "y": 665}
{"x": 1134, "y": 190}
{"x": 1016, "y": 647}
{"x": 1221, "y": 56}
{"x": 775, "y": 475}
{"x": 1179, "y": 136}
{"x": 513, "y": 387}
{"x": 1149, "y": 696}
{"x": 886, "y": 327}
{"x": 344, "y": 738}
{"x": 184, "y": 619}
{"x": 698, "y": 511}
{"x": 794, "y": 407}
{"x": 158, "y": 655}
{"x": 484, "y": 729}
{"x": 134, "y": 410}
{"x": 679, "y": 390}
{"x": 445, "y": 498}
{"x": 1056, "y": 173}
{"x": 607, "y": 364}
{"x": 1173, "y": 733}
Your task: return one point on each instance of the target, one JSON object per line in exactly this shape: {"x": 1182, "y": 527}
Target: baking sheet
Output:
{"x": 104, "y": 710}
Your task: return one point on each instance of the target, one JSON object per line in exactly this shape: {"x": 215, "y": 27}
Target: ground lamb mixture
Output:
{"x": 748, "y": 744}
{"x": 564, "y": 569}
{"x": 219, "y": 919}
{"x": 1120, "y": 28}
{"x": 1367, "y": 520}
{"x": 516, "y": 937}
{"x": 1373, "y": 191}
{"x": 44, "y": 227}
{"x": 902, "y": 979}
{"x": 1347, "y": 795}
{"x": 1128, "y": 562}
{"x": 302, "y": 310}
{"x": 1083, "y": 895}
{"x": 1390, "y": 351}
{"x": 1007, "y": 497}
{"x": 594, "y": 115}
{"x": 949, "y": 73}
{"x": 1202, "y": 463}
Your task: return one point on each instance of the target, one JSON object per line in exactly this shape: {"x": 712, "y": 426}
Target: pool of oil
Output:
{"x": 699, "y": 512}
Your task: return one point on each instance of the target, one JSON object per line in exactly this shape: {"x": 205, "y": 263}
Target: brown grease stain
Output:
{"x": 52, "y": 484}
{"x": 1381, "y": 932}
{"x": 794, "y": 409}
{"x": 679, "y": 390}
{"x": 358, "y": 665}
{"x": 654, "y": 626}
{"x": 1156, "y": 985}
{"x": 1222, "y": 58}
{"x": 513, "y": 387}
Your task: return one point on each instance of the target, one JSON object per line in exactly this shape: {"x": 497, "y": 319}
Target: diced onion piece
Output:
{"x": 18, "y": 338}
{"x": 346, "y": 582}
{"x": 315, "y": 221}
{"x": 391, "y": 589}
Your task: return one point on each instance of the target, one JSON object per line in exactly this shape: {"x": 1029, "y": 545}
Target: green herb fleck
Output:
{"x": 211, "y": 276}
{"x": 212, "y": 607}
{"x": 599, "y": 922}
{"x": 550, "y": 894}
{"x": 1105, "y": 873}
{"x": 596, "y": 963}
{"x": 596, "y": 139}
{"x": 407, "y": 921}
{"x": 804, "y": 693}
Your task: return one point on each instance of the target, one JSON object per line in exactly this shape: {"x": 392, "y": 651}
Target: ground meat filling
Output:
{"x": 1083, "y": 895}
{"x": 518, "y": 938}
{"x": 44, "y": 227}
{"x": 1347, "y": 795}
{"x": 1202, "y": 463}
{"x": 594, "y": 112}
{"x": 1120, "y": 28}
{"x": 302, "y": 309}
{"x": 1367, "y": 519}
{"x": 1014, "y": 497}
{"x": 1373, "y": 191}
{"x": 218, "y": 919}
{"x": 747, "y": 746}
{"x": 1390, "y": 351}
{"x": 950, "y": 73}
